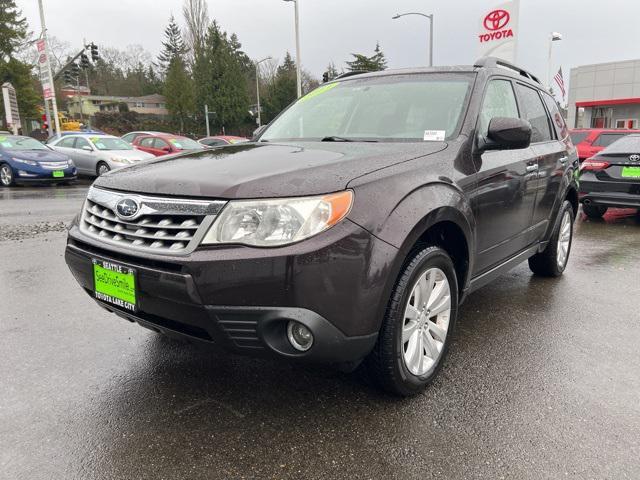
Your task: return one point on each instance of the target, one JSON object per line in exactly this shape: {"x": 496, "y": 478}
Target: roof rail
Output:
{"x": 493, "y": 62}
{"x": 351, "y": 74}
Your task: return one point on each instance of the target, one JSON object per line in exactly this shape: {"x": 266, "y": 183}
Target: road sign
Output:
{"x": 12, "y": 115}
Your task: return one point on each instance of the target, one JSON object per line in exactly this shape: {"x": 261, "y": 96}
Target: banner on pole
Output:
{"x": 499, "y": 31}
{"x": 11, "y": 113}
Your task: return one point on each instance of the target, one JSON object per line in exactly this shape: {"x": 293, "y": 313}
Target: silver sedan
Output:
{"x": 95, "y": 155}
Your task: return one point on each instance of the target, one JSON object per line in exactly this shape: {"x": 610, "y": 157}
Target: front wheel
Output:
{"x": 102, "y": 168}
{"x": 417, "y": 326}
{"x": 552, "y": 261}
{"x": 6, "y": 175}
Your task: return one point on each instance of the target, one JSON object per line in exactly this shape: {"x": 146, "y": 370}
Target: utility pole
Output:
{"x": 298, "y": 59}
{"x": 46, "y": 46}
{"x": 206, "y": 117}
{"x": 258, "y": 89}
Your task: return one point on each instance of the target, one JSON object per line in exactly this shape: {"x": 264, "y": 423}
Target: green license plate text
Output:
{"x": 115, "y": 284}
{"x": 631, "y": 172}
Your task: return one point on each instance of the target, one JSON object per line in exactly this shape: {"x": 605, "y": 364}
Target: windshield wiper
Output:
{"x": 334, "y": 138}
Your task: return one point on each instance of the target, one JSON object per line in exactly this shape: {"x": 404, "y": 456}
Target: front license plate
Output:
{"x": 631, "y": 172}
{"x": 115, "y": 284}
{"x": 58, "y": 174}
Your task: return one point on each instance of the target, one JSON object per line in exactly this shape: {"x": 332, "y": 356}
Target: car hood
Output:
{"x": 263, "y": 170}
{"x": 38, "y": 155}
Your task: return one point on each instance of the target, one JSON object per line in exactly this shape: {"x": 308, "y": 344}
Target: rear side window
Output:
{"x": 499, "y": 101}
{"x": 129, "y": 137}
{"x": 159, "y": 143}
{"x": 535, "y": 113}
{"x": 146, "y": 142}
{"x": 606, "y": 139}
{"x": 81, "y": 142}
{"x": 578, "y": 137}
{"x": 556, "y": 117}
{"x": 67, "y": 142}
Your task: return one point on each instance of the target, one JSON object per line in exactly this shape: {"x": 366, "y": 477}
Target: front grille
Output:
{"x": 163, "y": 225}
{"x": 54, "y": 165}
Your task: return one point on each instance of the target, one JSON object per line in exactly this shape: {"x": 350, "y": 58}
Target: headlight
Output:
{"x": 121, "y": 160}
{"x": 26, "y": 162}
{"x": 277, "y": 222}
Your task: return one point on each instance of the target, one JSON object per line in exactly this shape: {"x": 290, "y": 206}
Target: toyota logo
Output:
{"x": 635, "y": 158}
{"x": 127, "y": 208}
{"x": 496, "y": 20}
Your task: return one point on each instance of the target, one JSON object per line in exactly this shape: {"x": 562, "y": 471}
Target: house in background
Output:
{"x": 89, "y": 105}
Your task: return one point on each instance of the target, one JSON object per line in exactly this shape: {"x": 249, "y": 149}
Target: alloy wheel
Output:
{"x": 6, "y": 175}
{"x": 426, "y": 321}
{"x": 564, "y": 240}
{"x": 102, "y": 169}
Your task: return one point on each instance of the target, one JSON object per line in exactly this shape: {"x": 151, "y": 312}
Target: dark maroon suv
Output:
{"x": 350, "y": 230}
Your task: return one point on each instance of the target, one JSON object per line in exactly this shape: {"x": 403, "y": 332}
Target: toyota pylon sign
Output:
{"x": 499, "y": 31}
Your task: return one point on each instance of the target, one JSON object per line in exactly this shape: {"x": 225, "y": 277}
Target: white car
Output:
{"x": 95, "y": 155}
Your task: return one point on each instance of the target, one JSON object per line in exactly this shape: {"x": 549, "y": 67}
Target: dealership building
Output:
{"x": 606, "y": 95}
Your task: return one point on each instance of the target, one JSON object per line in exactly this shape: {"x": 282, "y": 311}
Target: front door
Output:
{"x": 505, "y": 194}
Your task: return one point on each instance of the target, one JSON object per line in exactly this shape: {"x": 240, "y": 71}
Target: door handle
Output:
{"x": 563, "y": 160}
{"x": 532, "y": 168}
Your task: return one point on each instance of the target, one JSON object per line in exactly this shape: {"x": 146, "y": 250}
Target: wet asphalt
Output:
{"x": 542, "y": 381}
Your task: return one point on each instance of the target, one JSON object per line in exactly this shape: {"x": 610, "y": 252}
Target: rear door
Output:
{"x": 146, "y": 145}
{"x": 84, "y": 153}
{"x": 65, "y": 146}
{"x": 505, "y": 194}
{"x": 551, "y": 156}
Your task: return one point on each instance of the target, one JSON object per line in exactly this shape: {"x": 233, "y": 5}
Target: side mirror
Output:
{"x": 507, "y": 133}
{"x": 259, "y": 131}
{"x": 87, "y": 148}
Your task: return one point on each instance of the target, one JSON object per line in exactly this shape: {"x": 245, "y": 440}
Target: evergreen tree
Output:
{"x": 220, "y": 80}
{"x": 282, "y": 91}
{"x": 172, "y": 47}
{"x": 332, "y": 71}
{"x": 179, "y": 93}
{"x": 13, "y": 29}
{"x": 363, "y": 63}
{"x": 13, "y": 34}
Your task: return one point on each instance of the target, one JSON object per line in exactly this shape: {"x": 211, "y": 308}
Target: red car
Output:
{"x": 222, "y": 140}
{"x": 590, "y": 141}
{"x": 165, "y": 143}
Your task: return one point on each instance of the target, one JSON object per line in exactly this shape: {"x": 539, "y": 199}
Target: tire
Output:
{"x": 552, "y": 261}
{"x": 594, "y": 211}
{"x": 102, "y": 168}
{"x": 6, "y": 175}
{"x": 394, "y": 364}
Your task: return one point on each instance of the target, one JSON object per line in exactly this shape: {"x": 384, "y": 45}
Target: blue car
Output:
{"x": 26, "y": 160}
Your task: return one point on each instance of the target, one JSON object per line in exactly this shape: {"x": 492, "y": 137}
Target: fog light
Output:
{"x": 300, "y": 336}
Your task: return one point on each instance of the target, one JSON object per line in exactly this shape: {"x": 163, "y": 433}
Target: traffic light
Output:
{"x": 75, "y": 70}
{"x": 95, "y": 56}
{"x": 325, "y": 77}
{"x": 68, "y": 77}
{"x": 84, "y": 61}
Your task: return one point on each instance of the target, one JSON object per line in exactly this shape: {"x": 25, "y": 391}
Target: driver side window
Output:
{"x": 81, "y": 142}
{"x": 499, "y": 101}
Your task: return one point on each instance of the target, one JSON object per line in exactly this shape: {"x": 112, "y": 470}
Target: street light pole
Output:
{"x": 258, "y": 89}
{"x": 430, "y": 17}
{"x": 46, "y": 46}
{"x": 298, "y": 58}
{"x": 554, "y": 37}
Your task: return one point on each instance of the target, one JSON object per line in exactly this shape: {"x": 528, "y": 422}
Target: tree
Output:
{"x": 172, "y": 47}
{"x": 196, "y": 17}
{"x": 13, "y": 34}
{"x": 13, "y": 29}
{"x": 282, "y": 90}
{"x": 220, "y": 81}
{"x": 363, "y": 63}
{"x": 178, "y": 91}
{"x": 332, "y": 71}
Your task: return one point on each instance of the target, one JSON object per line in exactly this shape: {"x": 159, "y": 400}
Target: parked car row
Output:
{"x": 89, "y": 152}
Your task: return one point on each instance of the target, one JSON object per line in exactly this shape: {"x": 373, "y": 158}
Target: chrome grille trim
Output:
{"x": 162, "y": 225}
{"x": 54, "y": 165}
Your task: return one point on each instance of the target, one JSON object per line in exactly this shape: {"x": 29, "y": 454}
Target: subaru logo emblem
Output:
{"x": 635, "y": 158}
{"x": 127, "y": 208}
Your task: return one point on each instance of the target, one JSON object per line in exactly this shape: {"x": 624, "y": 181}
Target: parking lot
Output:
{"x": 542, "y": 380}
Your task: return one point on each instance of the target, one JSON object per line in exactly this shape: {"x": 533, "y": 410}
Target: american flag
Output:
{"x": 560, "y": 81}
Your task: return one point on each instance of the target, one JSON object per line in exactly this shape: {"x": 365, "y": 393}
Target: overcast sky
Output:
{"x": 594, "y": 31}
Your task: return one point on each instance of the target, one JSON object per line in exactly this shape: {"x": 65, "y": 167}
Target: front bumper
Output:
{"x": 29, "y": 174}
{"x": 242, "y": 298}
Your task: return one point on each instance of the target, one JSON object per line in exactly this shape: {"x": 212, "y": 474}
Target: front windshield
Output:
{"x": 185, "y": 144}
{"x": 107, "y": 143}
{"x": 20, "y": 143}
{"x": 420, "y": 107}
